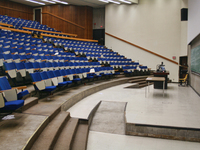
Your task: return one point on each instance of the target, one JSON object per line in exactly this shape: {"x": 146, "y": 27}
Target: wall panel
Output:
{"x": 16, "y": 10}
{"x": 69, "y": 19}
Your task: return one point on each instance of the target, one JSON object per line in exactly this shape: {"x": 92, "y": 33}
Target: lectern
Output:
{"x": 159, "y": 85}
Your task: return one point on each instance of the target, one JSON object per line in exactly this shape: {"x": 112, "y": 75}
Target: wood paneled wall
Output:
{"x": 69, "y": 19}
{"x": 13, "y": 9}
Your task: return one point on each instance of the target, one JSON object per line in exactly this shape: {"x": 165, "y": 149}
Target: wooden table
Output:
{"x": 155, "y": 79}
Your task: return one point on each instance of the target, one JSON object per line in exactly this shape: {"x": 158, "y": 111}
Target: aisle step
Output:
{"x": 48, "y": 137}
{"x": 81, "y": 137}
{"x": 66, "y": 138}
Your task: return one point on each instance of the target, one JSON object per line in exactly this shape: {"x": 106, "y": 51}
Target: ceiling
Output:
{"x": 91, "y": 3}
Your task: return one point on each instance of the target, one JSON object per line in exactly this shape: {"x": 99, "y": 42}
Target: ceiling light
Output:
{"x": 60, "y": 2}
{"x": 114, "y": 2}
{"x": 48, "y": 1}
{"x": 35, "y": 2}
{"x": 105, "y": 1}
{"x": 125, "y": 1}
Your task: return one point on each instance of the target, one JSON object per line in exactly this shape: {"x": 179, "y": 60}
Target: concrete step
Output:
{"x": 81, "y": 137}
{"x": 29, "y": 102}
{"x": 136, "y": 80}
{"x": 66, "y": 138}
{"x": 48, "y": 137}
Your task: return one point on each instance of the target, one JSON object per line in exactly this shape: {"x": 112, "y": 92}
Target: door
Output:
{"x": 99, "y": 34}
{"x": 183, "y": 68}
{"x": 38, "y": 15}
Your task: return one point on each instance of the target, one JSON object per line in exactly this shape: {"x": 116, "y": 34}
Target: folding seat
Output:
{"x": 66, "y": 65}
{"x": 69, "y": 74}
{"x": 9, "y": 100}
{"x": 55, "y": 81}
{"x": 1, "y": 60}
{"x": 73, "y": 72}
{"x": 35, "y": 53}
{"x": 10, "y": 68}
{"x": 60, "y": 65}
{"x": 90, "y": 74}
{"x": 29, "y": 67}
{"x": 23, "y": 58}
{"x": 21, "y": 69}
{"x": 15, "y": 77}
{"x": 36, "y": 58}
{"x": 42, "y": 85}
{"x": 49, "y": 66}
{"x": 55, "y": 66}
{"x": 36, "y": 66}
{"x": 43, "y": 58}
{"x": 43, "y": 66}
{"x": 61, "y": 75}
{"x": 71, "y": 65}
{"x": 49, "y": 58}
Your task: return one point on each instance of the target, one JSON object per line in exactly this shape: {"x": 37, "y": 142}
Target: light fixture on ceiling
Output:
{"x": 32, "y": 1}
{"x": 48, "y": 1}
{"x": 60, "y": 2}
{"x": 124, "y": 1}
{"x": 114, "y": 2}
{"x": 107, "y": 1}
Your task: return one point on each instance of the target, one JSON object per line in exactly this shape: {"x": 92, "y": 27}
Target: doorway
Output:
{"x": 183, "y": 68}
{"x": 38, "y": 15}
{"x": 99, "y": 34}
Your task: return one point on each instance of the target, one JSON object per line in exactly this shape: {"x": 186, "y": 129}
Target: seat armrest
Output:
{"x": 20, "y": 87}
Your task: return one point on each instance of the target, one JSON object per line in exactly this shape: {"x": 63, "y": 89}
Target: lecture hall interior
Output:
{"x": 99, "y": 74}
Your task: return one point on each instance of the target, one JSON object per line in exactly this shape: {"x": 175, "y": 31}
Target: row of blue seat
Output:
{"x": 19, "y": 23}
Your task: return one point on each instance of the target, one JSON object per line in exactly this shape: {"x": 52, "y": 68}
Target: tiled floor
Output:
{"x": 178, "y": 107}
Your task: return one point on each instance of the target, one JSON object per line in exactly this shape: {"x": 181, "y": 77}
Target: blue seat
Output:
{"x": 55, "y": 80}
{"x": 9, "y": 106}
{"x": 58, "y": 74}
{"x": 4, "y": 85}
{"x": 39, "y": 83}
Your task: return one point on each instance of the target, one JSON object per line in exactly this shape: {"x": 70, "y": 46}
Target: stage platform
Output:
{"x": 174, "y": 116}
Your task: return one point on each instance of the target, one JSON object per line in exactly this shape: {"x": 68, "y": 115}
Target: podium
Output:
{"x": 159, "y": 85}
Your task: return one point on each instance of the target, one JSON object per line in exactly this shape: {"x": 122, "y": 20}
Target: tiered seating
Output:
{"x": 19, "y": 23}
{"x": 29, "y": 25}
{"x": 58, "y": 62}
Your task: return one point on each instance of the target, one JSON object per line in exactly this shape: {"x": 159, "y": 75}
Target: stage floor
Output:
{"x": 178, "y": 108}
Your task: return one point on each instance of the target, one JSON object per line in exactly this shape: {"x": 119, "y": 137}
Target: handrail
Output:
{"x": 63, "y": 19}
{"x": 142, "y": 48}
{"x": 69, "y": 38}
{"x": 15, "y": 9}
{"x": 5, "y": 24}
{"x": 16, "y": 30}
{"x": 74, "y": 35}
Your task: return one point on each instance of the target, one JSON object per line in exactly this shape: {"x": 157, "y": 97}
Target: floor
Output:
{"x": 178, "y": 107}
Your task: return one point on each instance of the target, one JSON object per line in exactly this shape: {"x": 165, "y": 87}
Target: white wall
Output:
{"x": 193, "y": 19}
{"x": 152, "y": 24}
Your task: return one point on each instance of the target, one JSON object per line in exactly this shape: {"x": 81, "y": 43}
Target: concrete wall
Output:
{"x": 152, "y": 24}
